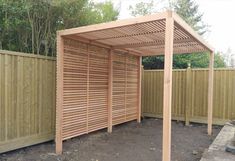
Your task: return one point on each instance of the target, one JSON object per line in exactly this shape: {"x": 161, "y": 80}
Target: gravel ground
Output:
{"x": 128, "y": 142}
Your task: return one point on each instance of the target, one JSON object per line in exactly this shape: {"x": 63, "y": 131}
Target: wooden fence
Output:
{"x": 27, "y": 99}
{"x": 189, "y": 95}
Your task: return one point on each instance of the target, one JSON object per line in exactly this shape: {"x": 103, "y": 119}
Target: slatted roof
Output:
{"x": 143, "y": 36}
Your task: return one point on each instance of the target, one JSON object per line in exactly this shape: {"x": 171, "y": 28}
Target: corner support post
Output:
{"x": 167, "y": 94}
{"x": 59, "y": 93}
{"x": 139, "y": 89}
{"x": 210, "y": 93}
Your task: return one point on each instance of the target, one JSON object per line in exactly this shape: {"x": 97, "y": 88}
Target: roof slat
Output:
{"x": 143, "y": 35}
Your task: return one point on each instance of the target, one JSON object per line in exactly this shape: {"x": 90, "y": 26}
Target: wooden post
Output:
{"x": 110, "y": 91}
{"x": 59, "y": 93}
{"x": 210, "y": 93}
{"x": 87, "y": 89}
{"x": 188, "y": 94}
{"x": 139, "y": 89}
{"x": 167, "y": 94}
{"x": 142, "y": 90}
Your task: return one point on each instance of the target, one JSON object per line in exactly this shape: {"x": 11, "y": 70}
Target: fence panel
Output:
{"x": 189, "y": 95}
{"x": 27, "y": 87}
{"x": 27, "y": 97}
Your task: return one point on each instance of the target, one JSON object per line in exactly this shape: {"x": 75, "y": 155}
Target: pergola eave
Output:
{"x": 113, "y": 24}
{"x": 120, "y": 42}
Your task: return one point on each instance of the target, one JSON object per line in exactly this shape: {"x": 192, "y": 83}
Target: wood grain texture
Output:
{"x": 59, "y": 92}
{"x": 110, "y": 92}
{"x": 143, "y": 35}
{"x": 27, "y": 99}
{"x": 210, "y": 93}
{"x": 167, "y": 88}
{"x": 223, "y": 94}
{"x": 125, "y": 87}
{"x": 100, "y": 88}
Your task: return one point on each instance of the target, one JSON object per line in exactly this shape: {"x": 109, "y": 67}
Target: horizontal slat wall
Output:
{"x": 98, "y": 89}
{"x": 85, "y": 88}
{"x": 119, "y": 88}
{"x": 75, "y": 89}
{"x": 223, "y": 94}
{"x": 132, "y": 67}
{"x": 125, "y": 88}
{"x": 27, "y": 99}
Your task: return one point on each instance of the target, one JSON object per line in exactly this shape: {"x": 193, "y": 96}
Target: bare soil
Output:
{"x": 128, "y": 142}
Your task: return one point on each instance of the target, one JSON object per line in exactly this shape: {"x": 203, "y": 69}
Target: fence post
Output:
{"x": 188, "y": 94}
{"x": 142, "y": 90}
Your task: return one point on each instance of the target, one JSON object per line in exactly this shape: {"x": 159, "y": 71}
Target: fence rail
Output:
{"x": 27, "y": 99}
{"x": 189, "y": 95}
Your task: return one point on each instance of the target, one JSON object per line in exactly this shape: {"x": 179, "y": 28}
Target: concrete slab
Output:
{"x": 216, "y": 151}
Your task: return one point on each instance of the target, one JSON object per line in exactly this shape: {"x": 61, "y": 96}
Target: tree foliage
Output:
{"x": 30, "y": 26}
{"x": 189, "y": 11}
{"x": 142, "y": 8}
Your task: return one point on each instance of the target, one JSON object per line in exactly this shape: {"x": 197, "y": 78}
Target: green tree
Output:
{"x": 13, "y": 26}
{"x": 189, "y": 11}
{"x": 30, "y": 26}
{"x": 142, "y": 8}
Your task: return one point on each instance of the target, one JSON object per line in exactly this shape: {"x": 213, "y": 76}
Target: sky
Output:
{"x": 218, "y": 14}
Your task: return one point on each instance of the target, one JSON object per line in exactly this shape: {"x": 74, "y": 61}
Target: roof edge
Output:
{"x": 114, "y": 24}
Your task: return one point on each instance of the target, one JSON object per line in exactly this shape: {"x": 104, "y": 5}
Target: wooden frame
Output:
{"x": 210, "y": 93}
{"x": 163, "y": 33}
{"x": 110, "y": 91}
{"x": 59, "y": 93}
{"x": 139, "y": 90}
{"x": 167, "y": 93}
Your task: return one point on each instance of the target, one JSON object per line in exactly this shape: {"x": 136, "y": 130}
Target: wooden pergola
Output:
{"x": 159, "y": 34}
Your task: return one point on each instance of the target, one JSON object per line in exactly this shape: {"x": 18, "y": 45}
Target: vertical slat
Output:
{"x": 142, "y": 88}
{"x": 39, "y": 88}
{"x": 210, "y": 93}
{"x": 188, "y": 95}
{"x": 87, "y": 90}
{"x": 7, "y": 65}
{"x": 110, "y": 91}
{"x": 167, "y": 98}
{"x": 59, "y": 93}
{"x": 2, "y": 105}
{"x": 139, "y": 89}
{"x": 125, "y": 95}
{"x": 53, "y": 97}
{"x": 19, "y": 90}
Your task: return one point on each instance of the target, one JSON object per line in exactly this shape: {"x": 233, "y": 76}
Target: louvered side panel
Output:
{"x": 75, "y": 89}
{"x": 131, "y": 87}
{"x": 119, "y": 85}
{"x": 125, "y": 88}
{"x": 98, "y": 89}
